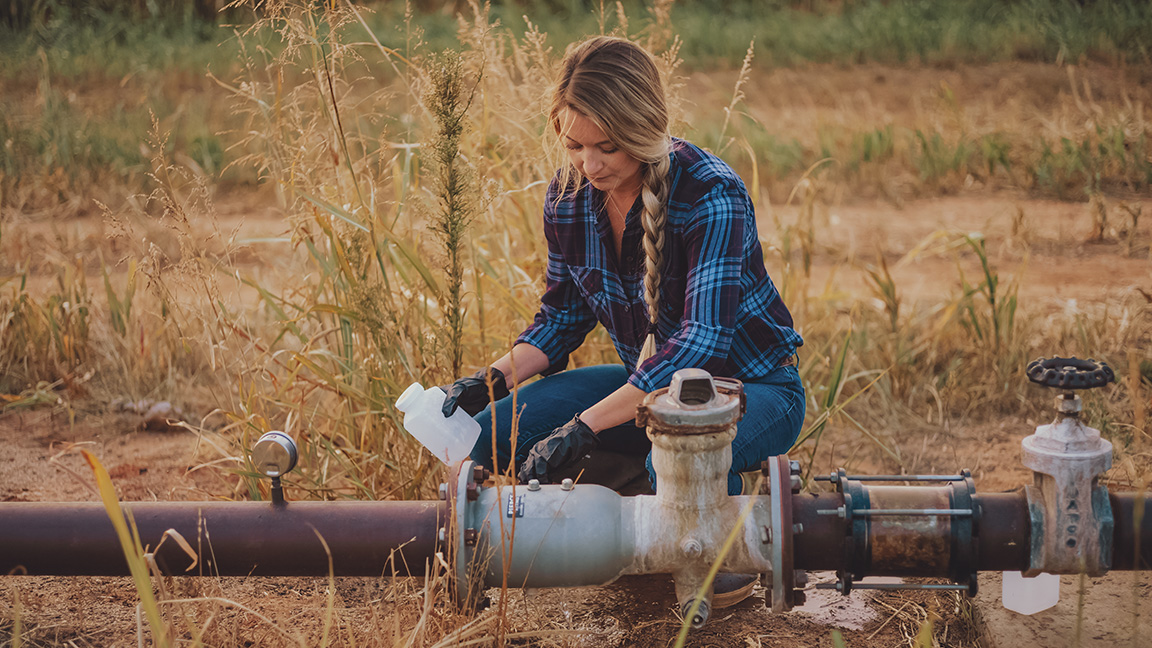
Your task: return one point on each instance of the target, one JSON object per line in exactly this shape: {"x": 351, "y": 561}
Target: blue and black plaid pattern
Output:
{"x": 719, "y": 310}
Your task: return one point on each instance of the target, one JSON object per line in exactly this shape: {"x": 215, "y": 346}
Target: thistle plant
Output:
{"x": 453, "y": 185}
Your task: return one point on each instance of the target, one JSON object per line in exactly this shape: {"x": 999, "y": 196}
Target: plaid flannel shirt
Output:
{"x": 719, "y": 310}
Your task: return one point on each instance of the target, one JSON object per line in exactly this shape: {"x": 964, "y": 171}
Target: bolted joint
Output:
{"x": 473, "y": 491}
{"x": 443, "y": 492}
{"x": 480, "y": 474}
{"x": 470, "y": 537}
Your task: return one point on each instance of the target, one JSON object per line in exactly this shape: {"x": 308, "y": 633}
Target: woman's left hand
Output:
{"x": 565, "y": 446}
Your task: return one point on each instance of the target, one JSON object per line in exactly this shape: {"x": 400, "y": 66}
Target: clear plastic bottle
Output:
{"x": 1030, "y": 595}
{"x": 450, "y": 439}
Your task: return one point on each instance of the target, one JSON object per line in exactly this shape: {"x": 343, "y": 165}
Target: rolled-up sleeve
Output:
{"x": 564, "y": 318}
{"x": 714, "y": 243}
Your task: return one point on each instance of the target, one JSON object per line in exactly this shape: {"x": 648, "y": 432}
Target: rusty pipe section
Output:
{"x": 910, "y": 545}
{"x": 866, "y": 542}
{"x": 230, "y": 538}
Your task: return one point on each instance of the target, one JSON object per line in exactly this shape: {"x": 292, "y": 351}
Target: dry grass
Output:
{"x": 355, "y": 303}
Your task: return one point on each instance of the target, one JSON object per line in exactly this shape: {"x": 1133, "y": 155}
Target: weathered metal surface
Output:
{"x": 552, "y": 537}
{"x": 695, "y": 403}
{"x": 1003, "y": 543}
{"x": 231, "y": 538}
{"x": 909, "y": 545}
{"x": 821, "y": 546}
{"x": 1071, "y": 516}
{"x": 692, "y": 424}
{"x": 1132, "y": 537}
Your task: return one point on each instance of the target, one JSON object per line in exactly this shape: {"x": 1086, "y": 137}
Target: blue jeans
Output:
{"x": 771, "y": 424}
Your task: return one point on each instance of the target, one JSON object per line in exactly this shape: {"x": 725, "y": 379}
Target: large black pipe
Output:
{"x": 1004, "y": 532}
{"x": 1132, "y": 537}
{"x": 1002, "y": 541}
{"x": 231, "y": 538}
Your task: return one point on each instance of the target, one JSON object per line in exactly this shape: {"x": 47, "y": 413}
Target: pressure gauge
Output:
{"x": 274, "y": 454}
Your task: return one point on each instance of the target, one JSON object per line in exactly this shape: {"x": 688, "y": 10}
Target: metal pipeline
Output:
{"x": 230, "y": 538}
{"x": 572, "y": 535}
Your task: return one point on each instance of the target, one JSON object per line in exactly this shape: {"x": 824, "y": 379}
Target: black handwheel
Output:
{"x": 1070, "y": 373}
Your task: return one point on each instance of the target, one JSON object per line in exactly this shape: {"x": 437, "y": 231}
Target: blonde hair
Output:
{"x": 616, "y": 85}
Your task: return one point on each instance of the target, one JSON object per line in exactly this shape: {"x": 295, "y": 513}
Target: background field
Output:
{"x": 230, "y": 211}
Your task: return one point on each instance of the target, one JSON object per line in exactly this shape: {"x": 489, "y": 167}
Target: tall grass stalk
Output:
{"x": 129, "y": 539}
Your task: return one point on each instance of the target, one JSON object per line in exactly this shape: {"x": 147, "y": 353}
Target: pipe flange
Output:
{"x": 782, "y": 595}
{"x": 965, "y": 531}
{"x": 463, "y": 540}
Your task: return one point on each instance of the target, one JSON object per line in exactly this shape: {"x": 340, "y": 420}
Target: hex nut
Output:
{"x": 479, "y": 474}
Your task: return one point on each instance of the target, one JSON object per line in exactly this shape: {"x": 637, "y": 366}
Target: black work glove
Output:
{"x": 471, "y": 392}
{"x": 565, "y": 446}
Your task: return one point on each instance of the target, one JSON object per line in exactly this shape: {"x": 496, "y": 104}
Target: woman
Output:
{"x": 656, "y": 240}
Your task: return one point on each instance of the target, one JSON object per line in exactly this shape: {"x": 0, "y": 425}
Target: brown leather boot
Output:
{"x": 730, "y": 589}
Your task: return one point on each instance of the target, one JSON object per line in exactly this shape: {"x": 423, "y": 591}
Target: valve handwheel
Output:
{"x": 1070, "y": 373}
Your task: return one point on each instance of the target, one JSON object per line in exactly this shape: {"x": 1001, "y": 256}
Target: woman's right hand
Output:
{"x": 471, "y": 392}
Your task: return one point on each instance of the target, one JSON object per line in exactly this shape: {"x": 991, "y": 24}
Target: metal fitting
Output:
{"x": 567, "y": 484}
{"x": 480, "y": 474}
{"x": 533, "y": 484}
{"x": 1071, "y": 516}
{"x": 691, "y": 548}
{"x": 1069, "y": 404}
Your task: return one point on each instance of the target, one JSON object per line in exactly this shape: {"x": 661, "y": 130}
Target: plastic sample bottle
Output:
{"x": 1030, "y": 595}
{"x": 450, "y": 439}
